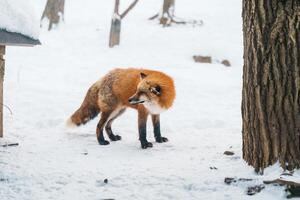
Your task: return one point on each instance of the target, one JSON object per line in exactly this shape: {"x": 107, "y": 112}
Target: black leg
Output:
{"x": 100, "y": 126}
{"x": 142, "y": 121}
{"x": 156, "y": 127}
{"x": 108, "y": 129}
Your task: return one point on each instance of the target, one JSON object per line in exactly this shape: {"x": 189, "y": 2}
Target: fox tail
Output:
{"x": 87, "y": 111}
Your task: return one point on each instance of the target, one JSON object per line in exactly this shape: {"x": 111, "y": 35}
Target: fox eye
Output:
{"x": 156, "y": 90}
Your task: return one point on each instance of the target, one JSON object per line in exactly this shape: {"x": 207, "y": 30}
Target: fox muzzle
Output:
{"x": 133, "y": 100}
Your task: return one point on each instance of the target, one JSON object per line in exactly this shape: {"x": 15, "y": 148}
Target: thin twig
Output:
{"x": 178, "y": 20}
{"x": 10, "y": 145}
{"x": 128, "y": 9}
{"x": 7, "y": 108}
{"x": 154, "y": 17}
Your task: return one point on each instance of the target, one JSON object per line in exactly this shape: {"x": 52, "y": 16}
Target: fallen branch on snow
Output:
{"x": 293, "y": 188}
{"x": 167, "y": 21}
{"x": 10, "y": 145}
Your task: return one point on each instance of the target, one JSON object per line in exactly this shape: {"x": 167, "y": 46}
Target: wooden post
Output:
{"x": 2, "y": 67}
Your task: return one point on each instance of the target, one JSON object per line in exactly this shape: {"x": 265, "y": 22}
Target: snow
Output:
{"x": 45, "y": 84}
{"x": 20, "y": 17}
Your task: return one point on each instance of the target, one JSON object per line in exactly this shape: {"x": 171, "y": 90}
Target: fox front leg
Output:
{"x": 156, "y": 127}
{"x": 142, "y": 121}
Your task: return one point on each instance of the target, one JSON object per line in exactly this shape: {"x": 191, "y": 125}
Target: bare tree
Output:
{"x": 271, "y": 83}
{"x": 115, "y": 30}
{"x": 167, "y": 12}
{"x": 54, "y": 11}
{"x": 167, "y": 16}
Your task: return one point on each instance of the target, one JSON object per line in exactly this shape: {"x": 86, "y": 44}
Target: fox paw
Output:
{"x": 103, "y": 142}
{"x": 161, "y": 139}
{"x": 146, "y": 145}
{"x": 115, "y": 137}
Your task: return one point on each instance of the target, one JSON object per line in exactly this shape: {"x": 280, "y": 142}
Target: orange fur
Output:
{"x": 123, "y": 89}
{"x": 111, "y": 94}
{"x": 167, "y": 85}
{"x": 130, "y": 78}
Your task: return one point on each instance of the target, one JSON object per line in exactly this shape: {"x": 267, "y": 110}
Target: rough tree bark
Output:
{"x": 115, "y": 29}
{"x": 54, "y": 11}
{"x": 271, "y": 83}
{"x": 2, "y": 67}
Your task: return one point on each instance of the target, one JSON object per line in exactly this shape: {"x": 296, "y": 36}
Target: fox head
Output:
{"x": 156, "y": 92}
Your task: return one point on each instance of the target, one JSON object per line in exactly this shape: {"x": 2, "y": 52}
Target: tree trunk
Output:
{"x": 271, "y": 83}
{"x": 167, "y": 12}
{"x": 2, "y": 67}
{"x": 115, "y": 31}
{"x": 115, "y": 28}
{"x": 54, "y": 11}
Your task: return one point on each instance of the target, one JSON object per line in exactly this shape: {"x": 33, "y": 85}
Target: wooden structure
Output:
{"x": 10, "y": 39}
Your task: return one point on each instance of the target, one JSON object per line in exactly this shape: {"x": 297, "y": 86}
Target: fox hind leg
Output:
{"x": 103, "y": 120}
{"x": 108, "y": 129}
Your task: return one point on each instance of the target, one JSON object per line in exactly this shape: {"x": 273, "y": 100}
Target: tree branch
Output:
{"x": 116, "y": 10}
{"x": 128, "y": 9}
{"x": 7, "y": 108}
{"x": 282, "y": 182}
{"x": 154, "y": 17}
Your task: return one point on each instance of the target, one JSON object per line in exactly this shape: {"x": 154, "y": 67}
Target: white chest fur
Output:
{"x": 153, "y": 108}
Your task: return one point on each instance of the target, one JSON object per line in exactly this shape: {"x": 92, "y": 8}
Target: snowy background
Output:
{"x": 45, "y": 84}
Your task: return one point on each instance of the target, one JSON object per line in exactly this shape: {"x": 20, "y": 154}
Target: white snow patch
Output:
{"x": 19, "y": 16}
{"x": 116, "y": 16}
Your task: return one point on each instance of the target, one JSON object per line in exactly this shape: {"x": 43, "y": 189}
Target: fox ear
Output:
{"x": 156, "y": 90}
{"x": 142, "y": 75}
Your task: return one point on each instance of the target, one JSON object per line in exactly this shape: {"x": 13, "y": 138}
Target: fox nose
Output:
{"x": 131, "y": 99}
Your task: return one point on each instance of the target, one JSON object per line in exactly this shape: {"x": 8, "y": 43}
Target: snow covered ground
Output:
{"x": 45, "y": 84}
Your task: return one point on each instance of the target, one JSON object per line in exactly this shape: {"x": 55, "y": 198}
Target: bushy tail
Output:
{"x": 87, "y": 111}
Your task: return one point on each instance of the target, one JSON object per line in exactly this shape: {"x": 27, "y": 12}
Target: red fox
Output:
{"x": 149, "y": 92}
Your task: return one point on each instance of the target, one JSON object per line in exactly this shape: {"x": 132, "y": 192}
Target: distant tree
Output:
{"x": 271, "y": 83}
{"x": 167, "y": 16}
{"x": 115, "y": 30}
{"x": 167, "y": 12}
{"x": 54, "y": 12}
